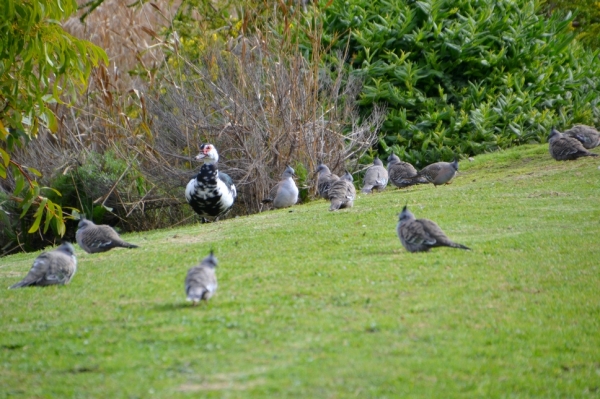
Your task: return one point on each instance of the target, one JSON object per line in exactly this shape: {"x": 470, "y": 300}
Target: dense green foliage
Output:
{"x": 40, "y": 65}
{"x": 464, "y": 77}
{"x": 319, "y": 304}
{"x": 587, "y": 18}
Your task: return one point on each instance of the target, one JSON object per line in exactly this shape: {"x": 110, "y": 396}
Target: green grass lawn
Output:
{"x": 319, "y": 304}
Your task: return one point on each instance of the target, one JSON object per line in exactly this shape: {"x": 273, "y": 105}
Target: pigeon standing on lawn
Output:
{"x": 211, "y": 193}
{"x": 51, "y": 268}
{"x": 420, "y": 235}
{"x": 342, "y": 193}
{"x": 587, "y": 135}
{"x": 285, "y": 193}
{"x": 437, "y": 173}
{"x": 93, "y": 238}
{"x": 566, "y": 148}
{"x": 324, "y": 180}
{"x": 201, "y": 280}
{"x": 400, "y": 173}
{"x": 376, "y": 177}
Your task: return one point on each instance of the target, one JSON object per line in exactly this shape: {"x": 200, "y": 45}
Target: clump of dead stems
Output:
{"x": 124, "y": 150}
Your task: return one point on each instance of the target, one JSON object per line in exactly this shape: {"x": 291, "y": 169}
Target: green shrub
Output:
{"x": 95, "y": 186}
{"x": 464, "y": 77}
{"x": 41, "y": 65}
{"x": 587, "y": 18}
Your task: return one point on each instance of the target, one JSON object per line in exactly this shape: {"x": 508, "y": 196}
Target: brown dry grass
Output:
{"x": 127, "y": 34}
{"x": 256, "y": 98}
{"x": 262, "y": 110}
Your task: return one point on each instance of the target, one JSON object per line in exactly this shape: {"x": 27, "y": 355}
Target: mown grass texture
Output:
{"x": 319, "y": 304}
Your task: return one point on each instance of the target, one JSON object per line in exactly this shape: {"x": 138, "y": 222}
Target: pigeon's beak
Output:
{"x": 200, "y": 156}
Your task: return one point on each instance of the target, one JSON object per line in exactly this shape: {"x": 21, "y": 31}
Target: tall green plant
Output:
{"x": 587, "y": 18}
{"x": 464, "y": 77}
{"x": 40, "y": 65}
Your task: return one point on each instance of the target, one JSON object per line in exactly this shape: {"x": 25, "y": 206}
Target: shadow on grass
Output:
{"x": 385, "y": 252}
{"x": 170, "y": 307}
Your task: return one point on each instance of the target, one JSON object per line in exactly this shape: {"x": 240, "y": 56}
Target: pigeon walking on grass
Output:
{"x": 420, "y": 235}
{"x": 51, "y": 268}
{"x": 324, "y": 180}
{"x": 587, "y": 135}
{"x": 211, "y": 193}
{"x": 440, "y": 172}
{"x": 93, "y": 238}
{"x": 376, "y": 177}
{"x": 285, "y": 193}
{"x": 437, "y": 173}
{"x": 342, "y": 193}
{"x": 566, "y": 148}
{"x": 201, "y": 280}
{"x": 401, "y": 173}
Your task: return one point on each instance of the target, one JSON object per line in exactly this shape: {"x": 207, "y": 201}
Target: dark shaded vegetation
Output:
{"x": 464, "y": 77}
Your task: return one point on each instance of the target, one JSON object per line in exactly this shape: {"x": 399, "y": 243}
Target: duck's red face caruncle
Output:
{"x": 207, "y": 151}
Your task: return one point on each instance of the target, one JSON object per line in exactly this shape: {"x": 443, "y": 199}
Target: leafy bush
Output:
{"x": 586, "y": 23}
{"x": 40, "y": 65}
{"x": 91, "y": 183}
{"x": 464, "y": 77}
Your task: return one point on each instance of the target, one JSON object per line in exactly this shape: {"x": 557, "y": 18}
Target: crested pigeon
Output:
{"x": 93, "y": 238}
{"x": 285, "y": 193}
{"x": 437, "y": 173}
{"x": 420, "y": 235}
{"x": 376, "y": 177}
{"x": 402, "y": 174}
{"x": 324, "y": 180}
{"x": 564, "y": 148}
{"x": 201, "y": 280}
{"x": 587, "y": 135}
{"x": 211, "y": 193}
{"x": 51, "y": 268}
{"x": 342, "y": 193}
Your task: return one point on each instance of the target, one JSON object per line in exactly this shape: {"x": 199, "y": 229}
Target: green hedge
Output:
{"x": 464, "y": 77}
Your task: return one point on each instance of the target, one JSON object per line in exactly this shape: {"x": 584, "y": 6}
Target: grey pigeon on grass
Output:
{"x": 402, "y": 174}
{"x": 285, "y": 193}
{"x": 376, "y": 177}
{"x": 420, "y": 235}
{"x": 201, "y": 280}
{"x": 93, "y": 238}
{"x": 437, "y": 173}
{"x": 566, "y": 148}
{"x": 587, "y": 135}
{"x": 324, "y": 180}
{"x": 342, "y": 193}
{"x": 51, "y": 268}
{"x": 440, "y": 172}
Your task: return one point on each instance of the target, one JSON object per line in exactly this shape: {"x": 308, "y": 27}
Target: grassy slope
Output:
{"x": 319, "y": 304}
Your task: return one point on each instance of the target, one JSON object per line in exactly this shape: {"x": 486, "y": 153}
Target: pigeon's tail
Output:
{"x": 367, "y": 189}
{"x": 411, "y": 181}
{"x": 418, "y": 179}
{"x": 196, "y": 294}
{"x": 586, "y": 154}
{"x": 128, "y": 245}
{"x": 335, "y": 205}
{"x": 22, "y": 283}
{"x": 459, "y": 246}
